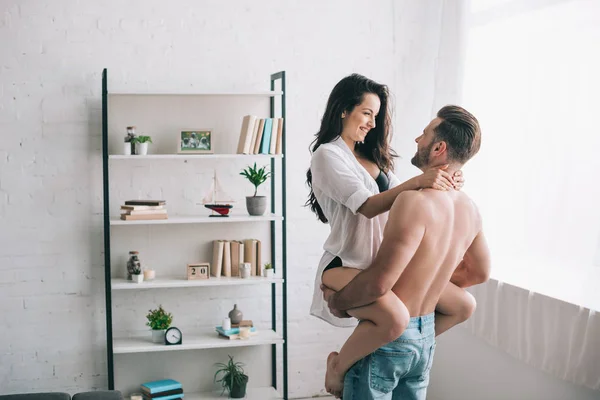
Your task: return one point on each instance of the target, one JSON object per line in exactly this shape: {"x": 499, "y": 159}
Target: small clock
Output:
{"x": 173, "y": 336}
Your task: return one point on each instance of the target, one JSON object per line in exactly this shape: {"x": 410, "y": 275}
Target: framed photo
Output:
{"x": 195, "y": 142}
{"x": 198, "y": 271}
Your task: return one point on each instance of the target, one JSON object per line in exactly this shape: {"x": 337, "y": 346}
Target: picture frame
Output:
{"x": 198, "y": 271}
{"x": 195, "y": 141}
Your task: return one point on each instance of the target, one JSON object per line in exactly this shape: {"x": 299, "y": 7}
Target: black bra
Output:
{"x": 382, "y": 181}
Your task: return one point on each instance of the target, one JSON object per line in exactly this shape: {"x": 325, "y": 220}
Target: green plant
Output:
{"x": 137, "y": 269}
{"x": 268, "y": 266}
{"x": 159, "y": 318}
{"x": 142, "y": 139}
{"x": 256, "y": 176}
{"x": 233, "y": 375}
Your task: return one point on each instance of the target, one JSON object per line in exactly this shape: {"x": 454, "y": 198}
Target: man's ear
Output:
{"x": 439, "y": 148}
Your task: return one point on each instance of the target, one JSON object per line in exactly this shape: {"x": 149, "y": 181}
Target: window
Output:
{"x": 532, "y": 78}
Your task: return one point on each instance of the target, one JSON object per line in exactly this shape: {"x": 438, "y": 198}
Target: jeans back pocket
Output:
{"x": 388, "y": 367}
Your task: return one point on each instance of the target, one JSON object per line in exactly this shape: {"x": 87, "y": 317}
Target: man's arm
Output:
{"x": 403, "y": 234}
{"x": 475, "y": 266}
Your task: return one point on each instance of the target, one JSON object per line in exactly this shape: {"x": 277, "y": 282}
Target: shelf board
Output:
{"x": 190, "y": 156}
{"x": 201, "y": 219}
{"x": 198, "y": 341}
{"x": 124, "y": 284}
{"x": 263, "y": 93}
{"x": 251, "y": 394}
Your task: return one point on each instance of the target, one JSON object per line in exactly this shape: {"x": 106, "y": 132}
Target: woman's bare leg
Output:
{"x": 380, "y": 323}
{"x": 454, "y": 306}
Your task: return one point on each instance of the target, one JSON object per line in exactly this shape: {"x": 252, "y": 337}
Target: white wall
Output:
{"x": 51, "y": 244}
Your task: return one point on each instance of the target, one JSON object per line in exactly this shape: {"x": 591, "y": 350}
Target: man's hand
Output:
{"x": 329, "y": 295}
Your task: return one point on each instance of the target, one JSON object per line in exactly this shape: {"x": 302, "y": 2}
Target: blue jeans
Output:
{"x": 398, "y": 370}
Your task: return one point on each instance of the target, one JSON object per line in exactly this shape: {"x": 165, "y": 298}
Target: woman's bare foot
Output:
{"x": 334, "y": 380}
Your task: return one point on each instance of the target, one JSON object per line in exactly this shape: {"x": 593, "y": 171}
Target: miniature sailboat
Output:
{"x": 221, "y": 207}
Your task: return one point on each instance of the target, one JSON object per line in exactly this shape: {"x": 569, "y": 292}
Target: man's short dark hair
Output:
{"x": 461, "y": 132}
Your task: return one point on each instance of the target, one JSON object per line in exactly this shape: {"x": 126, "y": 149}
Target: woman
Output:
{"x": 353, "y": 187}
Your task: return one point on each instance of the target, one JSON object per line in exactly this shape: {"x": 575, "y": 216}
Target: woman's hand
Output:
{"x": 436, "y": 178}
{"x": 459, "y": 181}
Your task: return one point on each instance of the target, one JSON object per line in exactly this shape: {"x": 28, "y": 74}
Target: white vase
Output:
{"x": 158, "y": 336}
{"x": 268, "y": 273}
{"x": 141, "y": 149}
{"x": 126, "y": 148}
{"x": 137, "y": 278}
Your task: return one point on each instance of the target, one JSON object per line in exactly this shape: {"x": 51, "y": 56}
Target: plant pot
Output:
{"x": 137, "y": 278}
{"x": 158, "y": 336}
{"x": 141, "y": 149}
{"x": 238, "y": 391}
{"x": 268, "y": 273}
{"x": 256, "y": 205}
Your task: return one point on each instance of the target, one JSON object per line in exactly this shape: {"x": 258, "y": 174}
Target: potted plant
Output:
{"x": 136, "y": 273}
{"x": 268, "y": 270}
{"x": 256, "y": 205}
{"x": 232, "y": 378}
{"x": 141, "y": 145}
{"x": 159, "y": 320}
{"x": 129, "y": 143}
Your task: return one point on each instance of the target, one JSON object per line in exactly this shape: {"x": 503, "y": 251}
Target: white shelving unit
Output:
{"x": 186, "y": 109}
{"x": 199, "y": 341}
{"x": 192, "y": 156}
{"x": 124, "y": 284}
{"x": 181, "y": 219}
{"x": 251, "y": 394}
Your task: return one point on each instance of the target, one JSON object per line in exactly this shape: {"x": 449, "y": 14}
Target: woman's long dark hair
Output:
{"x": 347, "y": 94}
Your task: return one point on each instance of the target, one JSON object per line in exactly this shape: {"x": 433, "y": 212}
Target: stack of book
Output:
{"x": 166, "y": 389}
{"x": 234, "y": 331}
{"x": 135, "y": 210}
{"x": 260, "y": 135}
{"x": 228, "y": 255}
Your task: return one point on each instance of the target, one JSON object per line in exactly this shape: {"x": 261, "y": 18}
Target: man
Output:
{"x": 428, "y": 234}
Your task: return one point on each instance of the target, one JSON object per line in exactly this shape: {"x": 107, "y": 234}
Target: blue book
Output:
{"x": 232, "y": 331}
{"x": 160, "y": 386}
{"x": 265, "y": 143}
{"x": 171, "y": 397}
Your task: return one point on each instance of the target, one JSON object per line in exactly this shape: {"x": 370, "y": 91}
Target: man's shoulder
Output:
{"x": 410, "y": 202}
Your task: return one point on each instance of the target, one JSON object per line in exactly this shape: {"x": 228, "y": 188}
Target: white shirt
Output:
{"x": 341, "y": 185}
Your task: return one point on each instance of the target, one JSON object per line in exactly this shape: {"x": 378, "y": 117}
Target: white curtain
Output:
{"x": 560, "y": 338}
{"x": 531, "y": 74}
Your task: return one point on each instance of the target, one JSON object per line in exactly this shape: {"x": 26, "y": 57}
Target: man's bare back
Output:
{"x": 450, "y": 222}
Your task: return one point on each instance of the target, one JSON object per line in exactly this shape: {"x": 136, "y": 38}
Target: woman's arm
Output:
{"x": 435, "y": 178}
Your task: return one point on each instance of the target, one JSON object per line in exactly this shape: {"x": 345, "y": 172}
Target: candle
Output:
{"x": 226, "y": 324}
{"x": 136, "y": 396}
{"x": 244, "y": 333}
{"x": 149, "y": 274}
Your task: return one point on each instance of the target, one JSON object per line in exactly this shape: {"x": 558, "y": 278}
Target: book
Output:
{"x": 279, "y": 144}
{"x": 142, "y": 208}
{"x": 247, "y": 323}
{"x": 126, "y": 217}
{"x": 273, "y": 142}
{"x": 226, "y": 258}
{"x": 259, "y": 134}
{"x": 217, "y": 261}
{"x": 250, "y": 254}
{"x": 144, "y": 212}
{"x": 160, "y": 394}
{"x": 160, "y": 386}
{"x": 232, "y": 331}
{"x": 266, "y": 138}
{"x": 145, "y": 202}
{"x": 254, "y": 135}
{"x": 246, "y": 134}
{"x": 169, "y": 397}
{"x": 237, "y": 257}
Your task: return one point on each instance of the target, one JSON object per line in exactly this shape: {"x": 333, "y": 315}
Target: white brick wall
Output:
{"x": 52, "y": 334}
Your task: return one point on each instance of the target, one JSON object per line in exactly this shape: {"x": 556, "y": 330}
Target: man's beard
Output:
{"x": 421, "y": 157}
